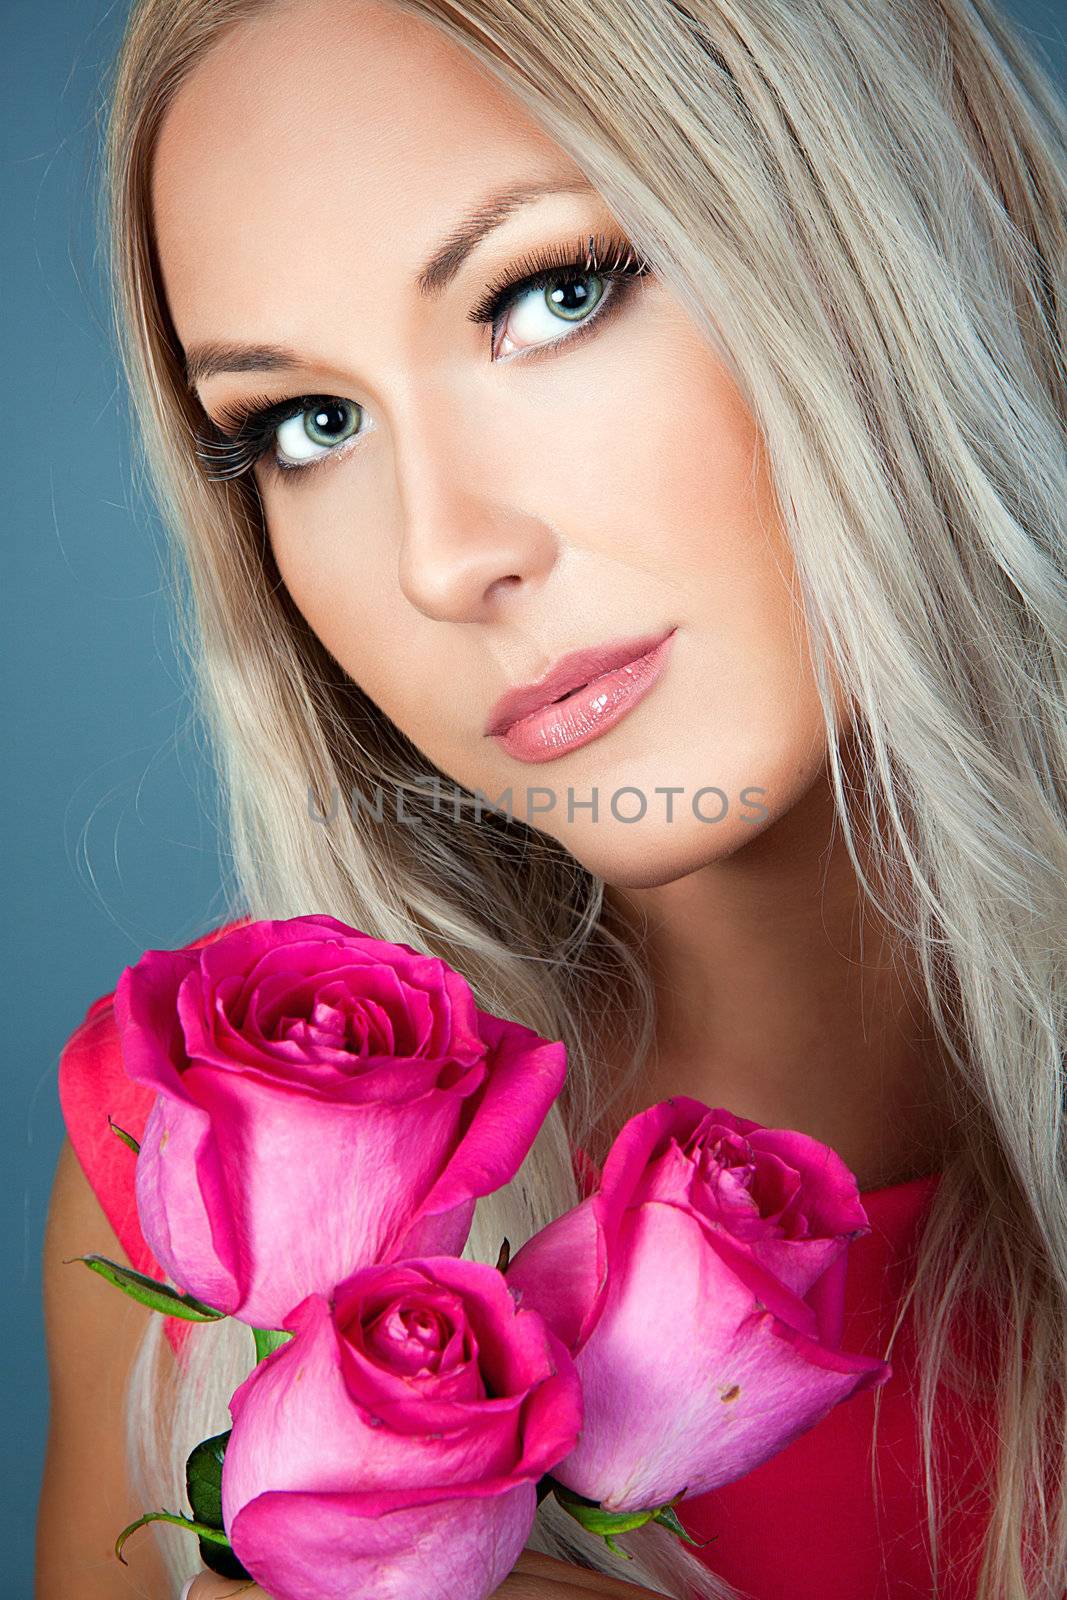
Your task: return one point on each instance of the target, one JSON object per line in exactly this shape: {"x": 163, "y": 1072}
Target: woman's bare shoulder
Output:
{"x": 92, "y": 1333}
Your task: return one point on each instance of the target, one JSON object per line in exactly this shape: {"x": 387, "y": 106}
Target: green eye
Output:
{"x": 570, "y": 299}
{"x": 573, "y": 299}
{"x": 318, "y": 428}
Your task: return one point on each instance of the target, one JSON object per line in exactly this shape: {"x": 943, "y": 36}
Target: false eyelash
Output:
{"x": 225, "y": 455}
{"x": 538, "y": 269}
{"x": 231, "y": 454}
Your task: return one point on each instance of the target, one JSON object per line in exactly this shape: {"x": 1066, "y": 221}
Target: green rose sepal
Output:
{"x": 147, "y": 1291}
{"x": 607, "y": 1524}
{"x": 150, "y": 1292}
{"x": 268, "y": 1340}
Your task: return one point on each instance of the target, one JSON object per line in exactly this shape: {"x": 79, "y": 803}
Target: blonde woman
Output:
{"x": 654, "y": 414}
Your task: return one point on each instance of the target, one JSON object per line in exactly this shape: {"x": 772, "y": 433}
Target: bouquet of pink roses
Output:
{"x": 329, "y": 1108}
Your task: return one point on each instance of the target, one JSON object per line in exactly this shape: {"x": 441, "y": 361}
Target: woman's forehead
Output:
{"x": 316, "y": 128}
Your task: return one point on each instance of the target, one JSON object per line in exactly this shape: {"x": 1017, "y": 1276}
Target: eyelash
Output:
{"x": 231, "y": 448}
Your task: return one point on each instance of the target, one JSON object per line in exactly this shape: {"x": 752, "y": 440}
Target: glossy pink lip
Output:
{"x": 570, "y": 672}
{"x": 586, "y": 713}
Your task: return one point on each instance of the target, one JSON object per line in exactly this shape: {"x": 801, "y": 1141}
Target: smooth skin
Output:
{"x": 508, "y": 499}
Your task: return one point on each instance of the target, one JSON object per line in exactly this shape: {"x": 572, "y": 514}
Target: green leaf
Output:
{"x": 203, "y": 1485}
{"x": 127, "y": 1138}
{"x": 268, "y": 1339}
{"x": 221, "y": 1559}
{"x": 203, "y": 1479}
{"x": 150, "y": 1292}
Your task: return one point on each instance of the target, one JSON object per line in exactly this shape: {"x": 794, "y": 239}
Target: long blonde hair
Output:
{"x": 863, "y": 204}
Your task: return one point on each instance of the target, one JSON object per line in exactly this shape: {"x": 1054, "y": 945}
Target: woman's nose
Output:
{"x": 469, "y": 534}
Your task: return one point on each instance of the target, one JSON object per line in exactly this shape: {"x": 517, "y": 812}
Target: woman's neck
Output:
{"x": 780, "y": 1001}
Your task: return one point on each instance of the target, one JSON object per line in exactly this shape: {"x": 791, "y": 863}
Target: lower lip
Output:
{"x": 588, "y": 712}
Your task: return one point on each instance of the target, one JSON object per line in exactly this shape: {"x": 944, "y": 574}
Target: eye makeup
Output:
{"x": 601, "y": 258}
{"x": 242, "y": 436}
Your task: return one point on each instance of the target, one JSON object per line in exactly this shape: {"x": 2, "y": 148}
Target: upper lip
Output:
{"x": 569, "y": 672}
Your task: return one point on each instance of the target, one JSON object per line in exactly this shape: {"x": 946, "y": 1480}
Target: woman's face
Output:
{"x": 464, "y": 504}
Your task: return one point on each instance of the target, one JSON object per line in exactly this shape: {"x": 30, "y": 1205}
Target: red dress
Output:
{"x": 802, "y": 1526}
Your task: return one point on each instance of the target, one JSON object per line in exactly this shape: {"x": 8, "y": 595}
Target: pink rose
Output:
{"x": 700, "y": 1291}
{"x": 325, "y": 1100}
{"x": 392, "y": 1448}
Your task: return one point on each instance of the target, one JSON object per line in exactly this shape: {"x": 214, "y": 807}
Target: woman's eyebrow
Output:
{"x": 209, "y": 359}
{"x": 450, "y": 255}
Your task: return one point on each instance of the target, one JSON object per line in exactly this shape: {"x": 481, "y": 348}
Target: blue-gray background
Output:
{"x": 111, "y": 849}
